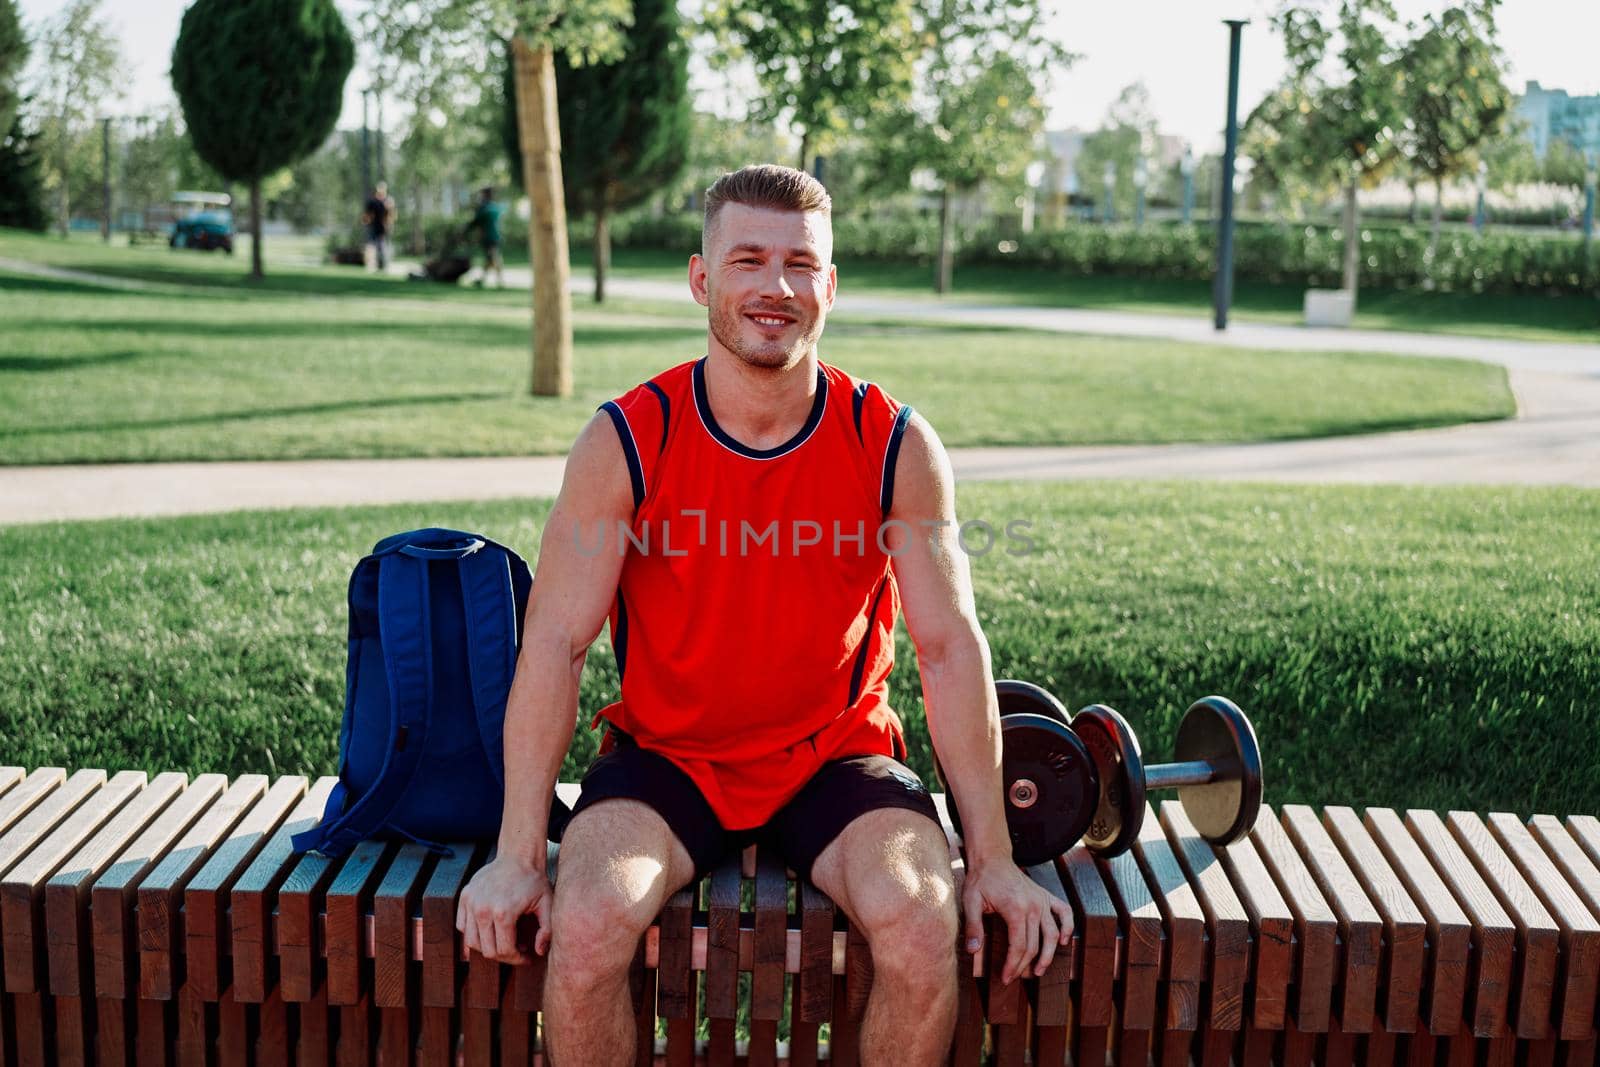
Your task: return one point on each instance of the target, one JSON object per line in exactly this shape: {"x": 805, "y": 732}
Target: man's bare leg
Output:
{"x": 890, "y": 872}
{"x": 619, "y": 864}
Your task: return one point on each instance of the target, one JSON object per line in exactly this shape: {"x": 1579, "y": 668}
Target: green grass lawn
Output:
{"x": 185, "y": 371}
{"x": 1406, "y": 647}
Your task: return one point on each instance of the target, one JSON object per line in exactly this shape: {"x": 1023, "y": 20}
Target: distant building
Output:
{"x": 1058, "y": 189}
{"x": 1552, "y": 115}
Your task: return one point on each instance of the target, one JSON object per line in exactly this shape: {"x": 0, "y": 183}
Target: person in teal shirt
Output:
{"x": 486, "y": 220}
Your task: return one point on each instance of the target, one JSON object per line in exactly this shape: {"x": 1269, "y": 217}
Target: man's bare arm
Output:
{"x": 574, "y": 585}
{"x": 963, "y": 715}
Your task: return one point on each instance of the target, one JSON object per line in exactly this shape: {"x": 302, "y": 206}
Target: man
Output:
{"x": 486, "y": 221}
{"x": 777, "y": 514}
{"x": 378, "y": 218}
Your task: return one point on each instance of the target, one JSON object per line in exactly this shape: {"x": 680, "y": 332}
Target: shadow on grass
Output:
{"x": 219, "y": 417}
{"x": 50, "y": 364}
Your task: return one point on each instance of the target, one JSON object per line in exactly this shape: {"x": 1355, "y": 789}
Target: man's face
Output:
{"x": 768, "y": 280}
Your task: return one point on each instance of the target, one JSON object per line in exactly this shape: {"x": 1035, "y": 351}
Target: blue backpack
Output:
{"x": 435, "y": 627}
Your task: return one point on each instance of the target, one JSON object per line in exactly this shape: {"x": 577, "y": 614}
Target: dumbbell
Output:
{"x": 1052, "y": 783}
{"x": 1216, "y": 770}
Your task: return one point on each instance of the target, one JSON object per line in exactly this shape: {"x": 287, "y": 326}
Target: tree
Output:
{"x": 826, "y": 64}
{"x": 261, "y": 83}
{"x": 79, "y": 69}
{"x": 22, "y": 202}
{"x": 13, "y": 53}
{"x": 1356, "y": 108}
{"x": 1127, "y": 133}
{"x": 625, "y": 124}
{"x": 977, "y": 112}
{"x": 585, "y": 31}
{"x": 1288, "y": 158}
{"x": 1456, "y": 97}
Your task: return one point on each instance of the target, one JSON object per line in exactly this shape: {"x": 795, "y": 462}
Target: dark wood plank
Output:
{"x": 1227, "y": 925}
{"x": 111, "y": 899}
{"x": 1539, "y": 938}
{"x": 354, "y": 1046}
{"x": 477, "y": 1037}
{"x": 113, "y": 1032}
{"x": 233, "y": 1030}
{"x": 155, "y": 1023}
{"x": 392, "y": 906}
{"x": 1144, "y": 942}
{"x": 844, "y": 1032}
{"x": 1493, "y": 934}
{"x": 1360, "y": 926}
{"x": 1185, "y": 925}
{"x": 1378, "y": 1049}
{"x": 1052, "y": 991}
{"x": 644, "y": 1018}
{"x": 66, "y": 894}
{"x": 1449, "y": 941}
{"x": 677, "y": 995}
{"x": 1272, "y": 924}
{"x": 71, "y": 1033}
{"x": 436, "y": 1044}
{"x": 394, "y": 1038}
{"x": 272, "y": 1045}
{"x": 205, "y": 898}
{"x": 722, "y": 942}
{"x": 1579, "y": 981}
{"x": 194, "y": 1029}
{"x": 440, "y": 939}
{"x": 1405, "y": 931}
{"x": 1315, "y": 926}
{"x": 771, "y": 938}
{"x": 346, "y": 901}
{"x": 1003, "y": 1001}
{"x": 31, "y": 1030}
{"x": 251, "y": 901}
{"x": 516, "y": 1032}
{"x": 22, "y": 887}
{"x": 814, "y": 983}
{"x": 314, "y": 1041}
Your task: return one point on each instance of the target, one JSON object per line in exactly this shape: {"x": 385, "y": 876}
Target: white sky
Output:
{"x": 1178, "y": 48}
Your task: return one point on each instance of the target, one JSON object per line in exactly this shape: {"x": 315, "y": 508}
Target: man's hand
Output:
{"x": 1037, "y": 921}
{"x": 498, "y": 895}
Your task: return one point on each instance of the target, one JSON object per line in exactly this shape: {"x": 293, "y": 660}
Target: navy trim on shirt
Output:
{"x": 666, "y": 411}
{"x": 630, "y": 449}
{"x": 856, "y": 400}
{"x": 733, "y": 444}
{"x": 866, "y": 643}
{"x": 891, "y": 455}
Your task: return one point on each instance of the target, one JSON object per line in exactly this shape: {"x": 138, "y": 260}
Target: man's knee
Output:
{"x": 618, "y": 864}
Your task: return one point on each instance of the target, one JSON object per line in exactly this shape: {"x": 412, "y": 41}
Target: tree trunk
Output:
{"x": 255, "y": 230}
{"x": 602, "y": 245}
{"x": 942, "y": 280}
{"x": 1411, "y": 212}
{"x": 1352, "y": 239}
{"x": 539, "y": 137}
{"x": 419, "y": 240}
{"x": 1438, "y": 217}
{"x": 805, "y": 148}
{"x": 63, "y": 210}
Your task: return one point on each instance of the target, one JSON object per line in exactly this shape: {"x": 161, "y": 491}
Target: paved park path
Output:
{"x": 1554, "y": 440}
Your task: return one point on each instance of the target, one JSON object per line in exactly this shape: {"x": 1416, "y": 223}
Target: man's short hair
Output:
{"x": 766, "y": 185}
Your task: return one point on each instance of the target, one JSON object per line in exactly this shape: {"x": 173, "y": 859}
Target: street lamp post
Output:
{"x": 1109, "y": 176}
{"x": 1483, "y": 187}
{"x": 1141, "y": 178}
{"x": 1588, "y": 204}
{"x": 1222, "y": 285}
{"x": 1186, "y": 165}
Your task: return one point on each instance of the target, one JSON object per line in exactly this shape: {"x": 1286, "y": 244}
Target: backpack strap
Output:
{"x": 488, "y": 592}
{"x": 403, "y": 602}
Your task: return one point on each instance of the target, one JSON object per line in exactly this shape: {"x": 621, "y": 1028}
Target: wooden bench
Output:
{"x": 159, "y": 920}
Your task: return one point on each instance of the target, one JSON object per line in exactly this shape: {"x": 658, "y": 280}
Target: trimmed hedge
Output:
{"x": 1395, "y": 256}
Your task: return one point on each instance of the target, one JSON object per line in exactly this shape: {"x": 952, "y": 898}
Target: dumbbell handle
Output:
{"x": 1173, "y": 775}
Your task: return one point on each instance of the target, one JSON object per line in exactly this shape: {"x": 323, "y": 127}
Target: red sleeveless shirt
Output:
{"x": 754, "y": 619}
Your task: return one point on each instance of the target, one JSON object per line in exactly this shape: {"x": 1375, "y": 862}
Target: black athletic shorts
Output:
{"x": 842, "y": 790}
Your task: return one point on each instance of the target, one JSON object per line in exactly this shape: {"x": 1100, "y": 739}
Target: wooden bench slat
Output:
{"x": 1493, "y": 935}
{"x": 250, "y": 902}
{"x": 1316, "y": 927}
{"x": 10, "y": 776}
{"x": 722, "y": 941}
{"x": 772, "y": 937}
{"x": 1144, "y": 940}
{"x": 49, "y": 806}
{"x": 1538, "y": 935}
{"x": 205, "y": 898}
{"x": 19, "y": 801}
{"x": 22, "y": 888}
{"x": 1185, "y": 923}
{"x": 1272, "y": 924}
{"x": 677, "y": 992}
{"x": 1052, "y": 990}
{"x": 300, "y": 903}
{"x": 1406, "y": 933}
{"x": 1360, "y": 928}
{"x": 1584, "y": 877}
{"x": 1449, "y": 932}
{"x": 1093, "y": 950}
{"x": 440, "y": 939}
{"x": 66, "y": 894}
{"x": 392, "y": 904}
{"x": 1579, "y": 932}
{"x": 346, "y": 904}
{"x": 112, "y": 896}
{"x": 1227, "y": 925}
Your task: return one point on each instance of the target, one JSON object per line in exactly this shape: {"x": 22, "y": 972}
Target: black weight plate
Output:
{"x": 1115, "y": 750}
{"x": 1051, "y": 786}
{"x": 1015, "y": 696}
{"x": 1216, "y": 731}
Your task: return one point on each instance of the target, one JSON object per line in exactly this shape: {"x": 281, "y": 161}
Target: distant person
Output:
{"x": 378, "y": 219}
{"x": 486, "y": 221}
